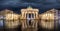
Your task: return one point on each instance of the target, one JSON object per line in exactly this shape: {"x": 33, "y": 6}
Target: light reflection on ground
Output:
{"x": 26, "y": 29}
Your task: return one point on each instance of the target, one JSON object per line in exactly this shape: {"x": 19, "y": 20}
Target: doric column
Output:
{"x": 28, "y": 19}
{"x": 34, "y": 16}
{"x": 25, "y": 15}
{"x": 31, "y": 15}
{"x": 22, "y": 14}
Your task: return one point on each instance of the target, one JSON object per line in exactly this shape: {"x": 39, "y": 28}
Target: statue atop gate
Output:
{"x": 29, "y": 11}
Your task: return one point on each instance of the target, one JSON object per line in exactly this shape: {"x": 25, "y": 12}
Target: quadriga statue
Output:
{"x": 12, "y": 20}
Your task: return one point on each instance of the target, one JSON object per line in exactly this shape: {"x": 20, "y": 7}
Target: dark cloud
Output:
{"x": 40, "y": 4}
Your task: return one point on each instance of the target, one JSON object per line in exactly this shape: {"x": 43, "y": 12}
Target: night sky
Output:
{"x": 42, "y": 5}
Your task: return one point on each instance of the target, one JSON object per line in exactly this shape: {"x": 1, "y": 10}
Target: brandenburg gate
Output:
{"x": 29, "y": 18}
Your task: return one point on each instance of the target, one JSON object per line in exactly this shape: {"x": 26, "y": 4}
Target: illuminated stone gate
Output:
{"x": 29, "y": 18}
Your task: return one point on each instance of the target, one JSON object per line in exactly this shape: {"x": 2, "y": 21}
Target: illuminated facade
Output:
{"x": 30, "y": 18}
